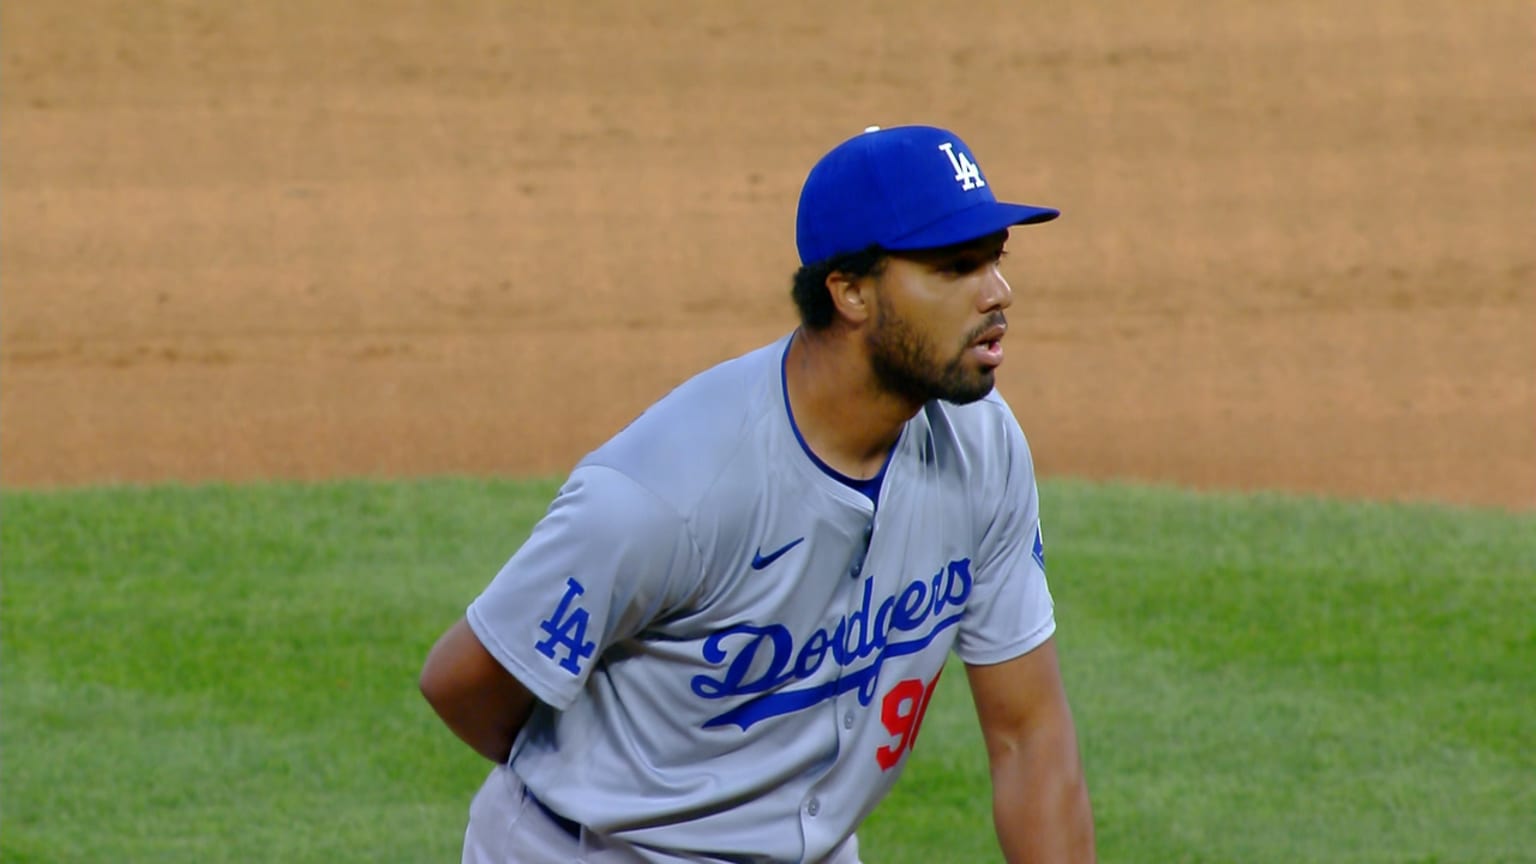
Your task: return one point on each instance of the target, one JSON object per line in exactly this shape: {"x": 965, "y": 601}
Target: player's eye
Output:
{"x": 971, "y": 263}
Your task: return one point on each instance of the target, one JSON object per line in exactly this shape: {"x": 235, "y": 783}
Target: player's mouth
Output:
{"x": 988, "y": 346}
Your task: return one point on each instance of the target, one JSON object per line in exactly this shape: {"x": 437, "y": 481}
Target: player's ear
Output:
{"x": 853, "y": 297}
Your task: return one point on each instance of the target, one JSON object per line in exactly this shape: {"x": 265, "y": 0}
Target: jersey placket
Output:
{"x": 820, "y": 831}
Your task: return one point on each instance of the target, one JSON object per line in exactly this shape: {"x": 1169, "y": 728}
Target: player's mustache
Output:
{"x": 996, "y": 319}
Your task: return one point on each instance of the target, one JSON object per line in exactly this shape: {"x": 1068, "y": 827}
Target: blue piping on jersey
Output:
{"x": 868, "y": 488}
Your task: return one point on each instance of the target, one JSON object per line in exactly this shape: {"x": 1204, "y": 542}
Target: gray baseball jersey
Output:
{"x": 734, "y": 647}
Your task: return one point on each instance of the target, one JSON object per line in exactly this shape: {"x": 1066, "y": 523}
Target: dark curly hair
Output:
{"x": 810, "y": 284}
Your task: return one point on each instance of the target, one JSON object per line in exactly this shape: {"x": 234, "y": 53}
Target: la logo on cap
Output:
{"x": 967, "y": 173}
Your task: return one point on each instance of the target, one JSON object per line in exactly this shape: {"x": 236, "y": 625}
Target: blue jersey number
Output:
{"x": 567, "y": 629}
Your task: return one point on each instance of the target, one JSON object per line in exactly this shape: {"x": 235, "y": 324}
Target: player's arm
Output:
{"x": 1039, "y": 797}
{"x": 595, "y": 570}
{"x": 483, "y": 703}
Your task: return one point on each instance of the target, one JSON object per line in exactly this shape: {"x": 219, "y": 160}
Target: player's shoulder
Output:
{"x": 986, "y": 428}
{"x": 981, "y": 444}
{"x": 982, "y": 447}
{"x": 678, "y": 445}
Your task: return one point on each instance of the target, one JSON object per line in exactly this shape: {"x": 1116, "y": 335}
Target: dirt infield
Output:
{"x": 308, "y": 240}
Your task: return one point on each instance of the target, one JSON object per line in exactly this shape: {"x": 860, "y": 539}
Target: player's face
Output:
{"x": 939, "y": 324}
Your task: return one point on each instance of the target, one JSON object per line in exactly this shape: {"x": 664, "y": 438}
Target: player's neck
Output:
{"x": 843, "y": 414}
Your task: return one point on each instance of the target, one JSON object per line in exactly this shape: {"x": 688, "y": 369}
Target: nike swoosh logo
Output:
{"x": 760, "y": 561}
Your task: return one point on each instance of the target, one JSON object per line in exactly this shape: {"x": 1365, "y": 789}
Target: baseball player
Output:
{"x": 719, "y": 643}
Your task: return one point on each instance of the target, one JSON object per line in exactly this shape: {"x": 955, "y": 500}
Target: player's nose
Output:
{"x": 995, "y": 292}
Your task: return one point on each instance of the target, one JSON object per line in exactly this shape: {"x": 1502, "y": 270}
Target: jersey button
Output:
{"x": 848, "y": 720}
{"x": 813, "y": 807}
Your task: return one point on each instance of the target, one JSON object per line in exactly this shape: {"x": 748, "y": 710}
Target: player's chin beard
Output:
{"x": 902, "y": 362}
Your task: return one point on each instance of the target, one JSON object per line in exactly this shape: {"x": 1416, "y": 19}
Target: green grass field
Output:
{"x": 228, "y": 674}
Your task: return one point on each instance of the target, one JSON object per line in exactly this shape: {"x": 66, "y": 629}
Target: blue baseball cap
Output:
{"x": 902, "y": 188}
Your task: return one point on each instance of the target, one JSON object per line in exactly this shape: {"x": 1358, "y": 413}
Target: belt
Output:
{"x": 569, "y": 826}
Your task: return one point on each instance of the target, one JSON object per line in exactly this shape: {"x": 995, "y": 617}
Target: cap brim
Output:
{"x": 972, "y": 223}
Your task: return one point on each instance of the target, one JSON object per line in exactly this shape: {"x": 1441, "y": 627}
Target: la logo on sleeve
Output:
{"x": 567, "y": 629}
